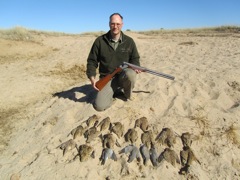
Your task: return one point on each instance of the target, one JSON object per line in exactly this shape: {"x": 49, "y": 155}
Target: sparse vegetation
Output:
{"x": 6, "y": 116}
{"x": 17, "y": 33}
{"x": 232, "y": 134}
{"x": 53, "y": 121}
{"x": 221, "y": 29}
{"x": 200, "y": 118}
{"x": 76, "y": 72}
{"x": 233, "y": 29}
{"x": 95, "y": 34}
{"x": 23, "y": 34}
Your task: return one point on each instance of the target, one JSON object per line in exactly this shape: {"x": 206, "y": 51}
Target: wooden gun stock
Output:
{"x": 103, "y": 81}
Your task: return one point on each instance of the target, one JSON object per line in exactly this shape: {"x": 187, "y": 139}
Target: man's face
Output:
{"x": 115, "y": 24}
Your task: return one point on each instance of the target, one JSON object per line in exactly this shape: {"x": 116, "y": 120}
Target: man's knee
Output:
{"x": 130, "y": 75}
{"x": 100, "y": 106}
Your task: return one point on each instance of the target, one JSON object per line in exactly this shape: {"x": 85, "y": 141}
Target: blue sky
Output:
{"x": 78, "y": 16}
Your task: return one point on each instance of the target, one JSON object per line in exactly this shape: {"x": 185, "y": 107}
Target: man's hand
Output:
{"x": 137, "y": 71}
{"x": 93, "y": 82}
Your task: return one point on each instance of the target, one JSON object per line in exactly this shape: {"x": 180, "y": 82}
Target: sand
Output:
{"x": 45, "y": 94}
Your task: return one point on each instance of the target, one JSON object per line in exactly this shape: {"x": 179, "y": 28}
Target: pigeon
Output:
{"x": 145, "y": 153}
{"x": 107, "y": 153}
{"x": 153, "y": 156}
{"x": 133, "y": 152}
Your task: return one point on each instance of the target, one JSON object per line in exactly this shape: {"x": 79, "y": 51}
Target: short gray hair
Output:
{"x": 115, "y": 14}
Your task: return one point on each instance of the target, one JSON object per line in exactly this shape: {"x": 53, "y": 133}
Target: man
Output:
{"x": 108, "y": 52}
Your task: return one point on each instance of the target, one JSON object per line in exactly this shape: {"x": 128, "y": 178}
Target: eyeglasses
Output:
{"x": 115, "y": 24}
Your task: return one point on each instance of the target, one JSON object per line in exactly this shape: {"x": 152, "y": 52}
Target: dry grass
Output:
{"x": 7, "y": 114}
{"x": 232, "y": 134}
{"x": 17, "y": 33}
{"x": 6, "y": 117}
{"x": 200, "y": 118}
{"x": 74, "y": 73}
{"x": 188, "y": 43}
{"x": 53, "y": 121}
{"x": 95, "y": 34}
{"x": 23, "y": 34}
{"x": 210, "y": 30}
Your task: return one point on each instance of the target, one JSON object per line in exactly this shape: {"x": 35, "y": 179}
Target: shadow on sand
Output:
{"x": 87, "y": 90}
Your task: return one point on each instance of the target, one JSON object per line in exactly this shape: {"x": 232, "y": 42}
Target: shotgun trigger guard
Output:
{"x": 124, "y": 66}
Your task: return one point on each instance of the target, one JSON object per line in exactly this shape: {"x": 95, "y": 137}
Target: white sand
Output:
{"x": 203, "y": 100}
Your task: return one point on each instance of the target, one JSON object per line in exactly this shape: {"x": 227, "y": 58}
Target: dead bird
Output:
{"x": 131, "y": 135}
{"x": 109, "y": 141}
{"x": 107, "y": 153}
{"x": 104, "y": 124}
{"x": 145, "y": 153}
{"x": 170, "y": 156}
{"x": 124, "y": 171}
{"x": 153, "y": 156}
{"x": 68, "y": 145}
{"x": 118, "y": 129}
{"x": 92, "y": 120}
{"x": 90, "y": 131}
{"x": 142, "y": 123}
{"x": 78, "y": 131}
{"x": 187, "y": 157}
{"x": 74, "y": 130}
{"x": 91, "y": 134}
{"x": 147, "y": 138}
{"x": 126, "y": 149}
{"x": 85, "y": 152}
{"x": 133, "y": 152}
{"x": 186, "y": 139}
{"x": 166, "y": 136}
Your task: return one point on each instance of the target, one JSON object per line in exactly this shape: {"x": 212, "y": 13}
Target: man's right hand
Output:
{"x": 93, "y": 82}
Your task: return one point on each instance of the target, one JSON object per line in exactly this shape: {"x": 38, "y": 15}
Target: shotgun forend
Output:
{"x": 133, "y": 66}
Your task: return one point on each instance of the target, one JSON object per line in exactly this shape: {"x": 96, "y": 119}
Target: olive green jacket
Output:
{"x": 103, "y": 55}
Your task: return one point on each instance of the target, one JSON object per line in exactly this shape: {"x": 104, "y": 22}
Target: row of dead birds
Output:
{"x": 147, "y": 149}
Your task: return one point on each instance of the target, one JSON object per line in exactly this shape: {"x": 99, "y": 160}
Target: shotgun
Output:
{"x": 103, "y": 81}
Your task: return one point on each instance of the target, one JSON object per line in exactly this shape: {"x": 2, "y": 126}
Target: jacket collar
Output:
{"x": 109, "y": 37}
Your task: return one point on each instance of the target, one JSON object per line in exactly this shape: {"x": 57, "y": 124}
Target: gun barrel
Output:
{"x": 167, "y": 76}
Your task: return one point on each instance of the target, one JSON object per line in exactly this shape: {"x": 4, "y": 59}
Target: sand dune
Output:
{"x": 45, "y": 94}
